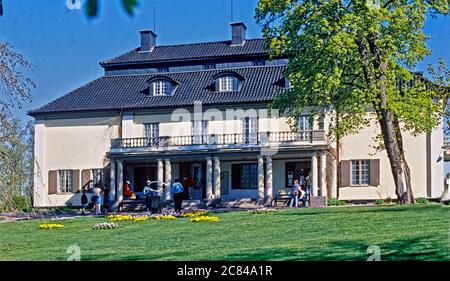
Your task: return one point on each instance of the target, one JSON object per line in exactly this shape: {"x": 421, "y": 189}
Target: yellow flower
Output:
{"x": 50, "y": 225}
{"x": 166, "y": 217}
{"x": 205, "y": 219}
{"x": 120, "y": 217}
{"x": 194, "y": 214}
{"x": 138, "y": 219}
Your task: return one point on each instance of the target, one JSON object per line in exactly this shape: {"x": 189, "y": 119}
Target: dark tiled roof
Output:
{"x": 261, "y": 84}
{"x": 191, "y": 51}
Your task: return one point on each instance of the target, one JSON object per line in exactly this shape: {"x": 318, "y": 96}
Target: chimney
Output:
{"x": 148, "y": 40}
{"x": 238, "y": 33}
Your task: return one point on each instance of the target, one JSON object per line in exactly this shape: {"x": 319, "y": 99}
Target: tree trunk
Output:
{"x": 389, "y": 124}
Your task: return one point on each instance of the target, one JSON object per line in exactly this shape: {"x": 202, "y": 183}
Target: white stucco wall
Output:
{"x": 69, "y": 144}
{"x": 361, "y": 146}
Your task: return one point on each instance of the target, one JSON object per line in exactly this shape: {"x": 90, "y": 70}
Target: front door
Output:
{"x": 225, "y": 183}
{"x": 197, "y": 176}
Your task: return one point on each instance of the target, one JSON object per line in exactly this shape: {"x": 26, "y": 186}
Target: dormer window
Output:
{"x": 228, "y": 81}
{"x": 226, "y": 84}
{"x": 160, "y": 88}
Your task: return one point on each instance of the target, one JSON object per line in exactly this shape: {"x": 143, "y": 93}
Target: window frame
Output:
{"x": 363, "y": 170}
{"x": 248, "y": 125}
{"x": 151, "y": 134}
{"x": 228, "y": 82}
{"x": 252, "y": 175}
{"x": 65, "y": 176}
{"x": 200, "y": 130}
{"x": 160, "y": 88}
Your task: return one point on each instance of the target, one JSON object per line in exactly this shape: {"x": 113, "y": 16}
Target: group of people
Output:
{"x": 96, "y": 199}
{"x": 153, "y": 193}
{"x": 301, "y": 191}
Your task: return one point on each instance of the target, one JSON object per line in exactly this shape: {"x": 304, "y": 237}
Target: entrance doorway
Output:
{"x": 197, "y": 177}
{"x": 294, "y": 170}
{"x": 142, "y": 175}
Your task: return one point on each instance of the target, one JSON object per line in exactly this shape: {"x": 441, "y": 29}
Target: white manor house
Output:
{"x": 200, "y": 110}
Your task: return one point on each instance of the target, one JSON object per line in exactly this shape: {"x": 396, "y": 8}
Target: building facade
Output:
{"x": 201, "y": 111}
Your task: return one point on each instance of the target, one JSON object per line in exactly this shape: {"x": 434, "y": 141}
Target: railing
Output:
{"x": 262, "y": 138}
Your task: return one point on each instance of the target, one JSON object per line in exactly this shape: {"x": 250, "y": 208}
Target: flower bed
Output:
{"x": 141, "y": 218}
{"x": 119, "y": 217}
{"x": 262, "y": 211}
{"x": 164, "y": 217}
{"x": 51, "y": 226}
{"x": 205, "y": 219}
{"x": 194, "y": 214}
{"x": 105, "y": 225}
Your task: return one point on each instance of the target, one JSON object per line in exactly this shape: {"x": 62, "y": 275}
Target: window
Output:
{"x": 226, "y": 84}
{"x": 250, "y": 125}
{"x": 96, "y": 177}
{"x": 304, "y": 127}
{"x": 65, "y": 182}
{"x": 321, "y": 122}
{"x": 360, "y": 172}
{"x": 151, "y": 132}
{"x": 199, "y": 131}
{"x": 160, "y": 88}
{"x": 249, "y": 176}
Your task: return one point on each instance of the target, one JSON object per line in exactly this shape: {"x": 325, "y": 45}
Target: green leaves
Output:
{"x": 344, "y": 54}
{"x": 92, "y": 7}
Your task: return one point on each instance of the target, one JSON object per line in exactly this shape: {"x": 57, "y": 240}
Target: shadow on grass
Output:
{"x": 355, "y": 210}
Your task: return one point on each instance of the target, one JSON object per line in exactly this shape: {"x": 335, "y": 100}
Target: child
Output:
{"x": 84, "y": 201}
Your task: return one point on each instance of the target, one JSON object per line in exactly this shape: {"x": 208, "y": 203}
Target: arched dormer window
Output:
{"x": 162, "y": 86}
{"x": 228, "y": 82}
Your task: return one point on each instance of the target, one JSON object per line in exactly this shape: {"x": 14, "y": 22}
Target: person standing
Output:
{"x": 295, "y": 192}
{"x": 302, "y": 195}
{"x": 84, "y": 201}
{"x": 97, "y": 199}
{"x": 177, "y": 194}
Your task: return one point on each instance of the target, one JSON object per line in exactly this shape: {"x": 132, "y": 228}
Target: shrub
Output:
{"x": 422, "y": 200}
{"x": 388, "y": 200}
{"x": 336, "y": 202}
{"x": 379, "y": 202}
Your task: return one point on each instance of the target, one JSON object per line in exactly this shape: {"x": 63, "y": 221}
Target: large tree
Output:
{"x": 350, "y": 56}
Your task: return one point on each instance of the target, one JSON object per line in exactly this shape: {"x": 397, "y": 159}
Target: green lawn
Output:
{"x": 418, "y": 232}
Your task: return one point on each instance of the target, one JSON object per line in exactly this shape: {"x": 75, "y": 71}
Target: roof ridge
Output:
{"x": 203, "y": 43}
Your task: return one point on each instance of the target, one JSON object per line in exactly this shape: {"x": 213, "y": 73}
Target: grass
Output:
{"x": 419, "y": 232}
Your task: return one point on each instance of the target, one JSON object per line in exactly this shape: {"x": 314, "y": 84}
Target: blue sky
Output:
{"x": 65, "y": 46}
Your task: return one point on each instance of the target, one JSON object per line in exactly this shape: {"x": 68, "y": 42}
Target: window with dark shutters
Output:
{"x": 236, "y": 176}
{"x": 52, "y": 182}
{"x": 76, "y": 181}
{"x": 346, "y": 173}
{"x": 374, "y": 172}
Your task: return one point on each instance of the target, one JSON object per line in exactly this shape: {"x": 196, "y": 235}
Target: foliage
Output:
{"x": 388, "y": 200}
{"x": 164, "y": 217}
{"x": 92, "y": 7}
{"x": 335, "y": 202}
{"x": 422, "y": 200}
{"x": 348, "y": 58}
{"x": 379, "y": 202}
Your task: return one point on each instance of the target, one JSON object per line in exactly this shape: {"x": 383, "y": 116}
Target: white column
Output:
{"x": 112, "y": 181}
{"x": 208, "y": 178}
{"x": 260, "y": 178}
{"x": 160, "y": 172}
{"x": 334, "y": 179}
{"x": 119, "y": 181}
{"x": 314, "y": 175}
{"x": 217, "y": 173}
{"x": 323, "y": 174}
{"x": 167, "y": 178}
{"x": 269, "y": 189}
